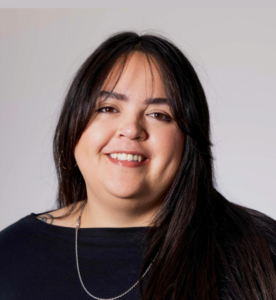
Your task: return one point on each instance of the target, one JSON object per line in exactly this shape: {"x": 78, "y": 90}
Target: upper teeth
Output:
{"x": 124, "y": 156}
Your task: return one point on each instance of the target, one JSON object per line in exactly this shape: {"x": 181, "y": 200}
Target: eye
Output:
{"x": 107, "y": 108}
{"x": 157, "y": 115}
{"x": 161, "y": 117}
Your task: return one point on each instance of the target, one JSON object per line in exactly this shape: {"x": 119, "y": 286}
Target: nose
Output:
{"x": 131, "y": 128}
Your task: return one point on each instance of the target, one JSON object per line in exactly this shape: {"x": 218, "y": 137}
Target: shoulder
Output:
{"x": 239, "y": 223}
{"x": 18, "y": 228}
{"x": 262, "y": 226}
{"x": 245, "y": 219}
{"x": 25, "y": 227}
{"x": 16, "y": 239}
{"x": 65, "y": 216}
{"x": 267, "y": 226}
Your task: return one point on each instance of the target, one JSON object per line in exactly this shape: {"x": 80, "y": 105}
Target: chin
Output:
{"x": 125, "y": 193}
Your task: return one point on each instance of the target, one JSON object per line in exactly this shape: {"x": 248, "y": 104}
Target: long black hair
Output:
{"x": 208, "y": 247}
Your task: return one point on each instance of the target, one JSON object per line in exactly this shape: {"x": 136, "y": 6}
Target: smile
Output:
{"x": 128, "y": 163}
{"x": 127, "y": 157}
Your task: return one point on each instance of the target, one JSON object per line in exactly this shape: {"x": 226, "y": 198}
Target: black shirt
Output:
{"x": 38, "y": 261}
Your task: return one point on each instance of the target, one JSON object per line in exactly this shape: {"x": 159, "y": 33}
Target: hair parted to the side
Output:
{"x": 209, "y": 248}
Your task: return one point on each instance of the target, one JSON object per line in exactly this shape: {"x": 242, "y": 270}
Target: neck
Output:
{"x": 96, "y": 214}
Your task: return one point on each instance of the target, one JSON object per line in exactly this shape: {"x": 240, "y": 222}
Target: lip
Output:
{"x": 129, "y": 152}
{"x": 125, "y": 163}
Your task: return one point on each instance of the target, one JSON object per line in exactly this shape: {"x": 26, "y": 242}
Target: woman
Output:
{"x": 139, "y": 216}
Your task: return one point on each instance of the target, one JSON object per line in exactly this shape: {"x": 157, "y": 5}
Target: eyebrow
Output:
{"x": 123, "y": 97}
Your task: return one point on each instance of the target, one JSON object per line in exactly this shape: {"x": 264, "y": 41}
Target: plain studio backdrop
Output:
{"x": 232, "y": 50}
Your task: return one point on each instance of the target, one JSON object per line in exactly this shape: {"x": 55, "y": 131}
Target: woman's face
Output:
{"x": 115, "y": 128}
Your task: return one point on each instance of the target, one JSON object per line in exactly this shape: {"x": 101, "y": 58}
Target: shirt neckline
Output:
{"x": 120, "y": 232}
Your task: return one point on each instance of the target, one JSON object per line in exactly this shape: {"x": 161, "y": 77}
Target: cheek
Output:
{"x": 92, "y": 141}
{"x": 169, "y": 142}
{"x": 168, "y": 151}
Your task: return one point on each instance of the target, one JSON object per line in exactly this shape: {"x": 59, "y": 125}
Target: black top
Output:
{"x": 38, "y": 261}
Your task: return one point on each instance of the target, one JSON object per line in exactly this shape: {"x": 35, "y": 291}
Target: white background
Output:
{"x": 233, "y": 50}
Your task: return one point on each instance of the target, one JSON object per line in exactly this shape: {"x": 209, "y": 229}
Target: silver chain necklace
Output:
{"x": 77, "y": 260}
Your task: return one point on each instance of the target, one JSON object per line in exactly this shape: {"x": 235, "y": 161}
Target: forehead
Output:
{"x": 135, "y": 71}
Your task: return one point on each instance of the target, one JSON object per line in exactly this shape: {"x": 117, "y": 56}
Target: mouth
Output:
{"x": 128, "y": 156}
{"x": 128, "y": 163}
